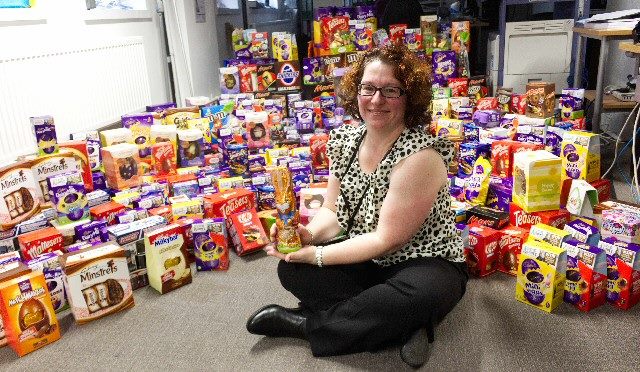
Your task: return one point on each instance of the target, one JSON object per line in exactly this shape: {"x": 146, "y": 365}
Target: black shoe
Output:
{"x": 415, "y": 351}
{"x": 277, "y": 321}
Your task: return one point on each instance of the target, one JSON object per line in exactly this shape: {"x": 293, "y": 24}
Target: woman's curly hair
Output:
{"x": 410, "y": 70}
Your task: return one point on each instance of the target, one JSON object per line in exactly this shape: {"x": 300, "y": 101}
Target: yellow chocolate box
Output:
{"x": 541, "y": 275}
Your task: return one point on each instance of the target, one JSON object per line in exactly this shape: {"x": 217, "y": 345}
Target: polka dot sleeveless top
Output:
{"x": 436, "y": 238}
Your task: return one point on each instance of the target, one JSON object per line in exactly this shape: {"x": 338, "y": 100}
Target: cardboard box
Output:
{"x": 10, "y": 267}
{"x": 548, "y": 234}
{"x": 622, "y": 224}
{"x": 246, "y": 232}
{"x": 623, "y": 275}
{"x": 509, "y": 248}
{"x": 226, "y": 203}
{"x": 541, "y": 275}
{"x": 210, "y": 244}
{"x": 68, "y": 197}
{"x": 80, "y": 151}
{"x": 166, "y": 254}
{"x": 51, "y": 165}
{"x": 586, "y": 285}
{"x": 122, "y": 165}
{"x": 581, "y": 156}
{"x": 27, "y": 313}
{"x": 583, "y": 232}
{"x": 107, "y": 212}
{"x": 488, "y": 217}
{"x": 536, "y": 181}
{"x": 38, "y": 242}
{"x": 541, "y": 99}
{"x": 21, "y": 196}
{"x": 97, "y": 282}
{"x": 482, "y": 252}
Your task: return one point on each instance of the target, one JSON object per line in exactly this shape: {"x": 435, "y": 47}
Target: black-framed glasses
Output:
{"x": 388, "y": 92}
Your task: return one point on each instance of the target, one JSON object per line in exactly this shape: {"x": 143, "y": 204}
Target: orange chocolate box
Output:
{"x": 35, "y": 243}
{"x": 27, "y": 313}
{"x": 107, "y": 212}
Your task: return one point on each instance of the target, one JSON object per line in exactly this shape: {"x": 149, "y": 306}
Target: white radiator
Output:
{"x": 82, "y": 87}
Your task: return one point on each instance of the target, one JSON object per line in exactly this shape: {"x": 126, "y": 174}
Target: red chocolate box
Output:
{"x": 35, "y": 243}
{"x": 246, "y": 232}
{"x": 509, "y": 248}
{"x": 228, "y": 202}
{"x": 107, "y": 212}
{"x": 79, "y": 150}
{"x": 603, "y": 187}
{"x": 482, "y": 253}
{"x": 520, "y": 218}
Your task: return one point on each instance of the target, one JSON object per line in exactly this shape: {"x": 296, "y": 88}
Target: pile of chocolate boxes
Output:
{"x": 84, "y": 223}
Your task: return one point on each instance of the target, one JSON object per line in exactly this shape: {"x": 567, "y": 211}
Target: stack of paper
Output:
{"x": 620, "y": 20}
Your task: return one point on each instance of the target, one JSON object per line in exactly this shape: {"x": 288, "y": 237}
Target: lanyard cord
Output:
{"x": 352, "y": 214}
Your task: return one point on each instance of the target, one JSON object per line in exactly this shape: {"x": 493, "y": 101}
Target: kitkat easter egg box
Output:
{"x": 166, "y": 254}
{"x": 541, "y": 275}
{"x": 482, "y": 252}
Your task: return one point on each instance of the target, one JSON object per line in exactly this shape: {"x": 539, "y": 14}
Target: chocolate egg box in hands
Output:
{"x": 27, "y": 313}
{"x": 68, "y": 195}
{"x": 97, "y": 282}
{"x": 166, "y": 255}
{"x": 121, "y": 165}
{"x": 21, "y": 196}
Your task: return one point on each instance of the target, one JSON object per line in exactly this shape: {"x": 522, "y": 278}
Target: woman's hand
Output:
{"x": 305, "y": 235}
{"x": 306, "y": 254}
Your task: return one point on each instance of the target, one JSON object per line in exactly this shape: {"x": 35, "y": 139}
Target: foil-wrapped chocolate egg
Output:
{"x": 32, "y": 314}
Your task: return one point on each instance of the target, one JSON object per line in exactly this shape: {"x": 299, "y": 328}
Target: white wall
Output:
{"x": 195, "y": 49}
{"x": 67, "y": 22}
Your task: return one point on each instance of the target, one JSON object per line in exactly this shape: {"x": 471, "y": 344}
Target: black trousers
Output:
{"x": 365, "y": 307}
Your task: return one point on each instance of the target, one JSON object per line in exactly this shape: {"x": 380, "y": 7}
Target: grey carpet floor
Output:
{"x": 202, "y": 327}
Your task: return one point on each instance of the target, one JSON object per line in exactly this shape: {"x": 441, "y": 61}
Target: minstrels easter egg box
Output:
{"x": 536, "y": 181}
{"x": 541, "y": 275}
{"x": 166, "y": 254}
{"x": 586, "y": 285}
{"x": 27, "y": 314}
{"x": 97, "y": 282}
{"x": 581, "y": 156}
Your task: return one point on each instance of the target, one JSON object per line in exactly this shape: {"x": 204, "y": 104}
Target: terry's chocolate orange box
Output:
{"x": 41, "y": 241}
{"x": 97, "y": 282}
{"x": 27, "y": 314}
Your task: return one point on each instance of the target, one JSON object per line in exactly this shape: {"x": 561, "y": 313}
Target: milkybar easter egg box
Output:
{"x": 166, "y": 253}
{"x": 97, "y": 281}
{"x": 541, "y": 275}
{"x": 27, "y": 313}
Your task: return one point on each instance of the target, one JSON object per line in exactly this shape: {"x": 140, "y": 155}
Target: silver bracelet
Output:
{"x": 319, "y": 256}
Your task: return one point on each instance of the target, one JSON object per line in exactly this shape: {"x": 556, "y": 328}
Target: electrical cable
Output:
{"x": 633, "y": 154}
{"x": 615, "y": 153}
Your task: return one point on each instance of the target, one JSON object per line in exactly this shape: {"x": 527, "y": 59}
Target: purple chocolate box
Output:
{"x": 94, "y": 231}
{"x": 161, "y": 107}
{"x": 583, "y": 232}
{"x": 45, "y": 132}
{"x": 68, "y": 196}
{"x": 208, "y": 234}
{"x": 444, "y": 67}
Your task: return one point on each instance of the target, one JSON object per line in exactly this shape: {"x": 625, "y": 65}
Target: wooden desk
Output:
{"x": 628, "y": 46}
{"x": 604, "y": 36}
{"x": 609, "y": 102}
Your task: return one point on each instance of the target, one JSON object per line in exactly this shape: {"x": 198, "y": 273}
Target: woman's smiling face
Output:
{"x": 377, "y": 111}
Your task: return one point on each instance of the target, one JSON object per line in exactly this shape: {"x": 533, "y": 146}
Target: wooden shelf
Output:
{"x": 629, "y": 47}
{"x": 609, "y": 102}
{"x": 593, "y": 32}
